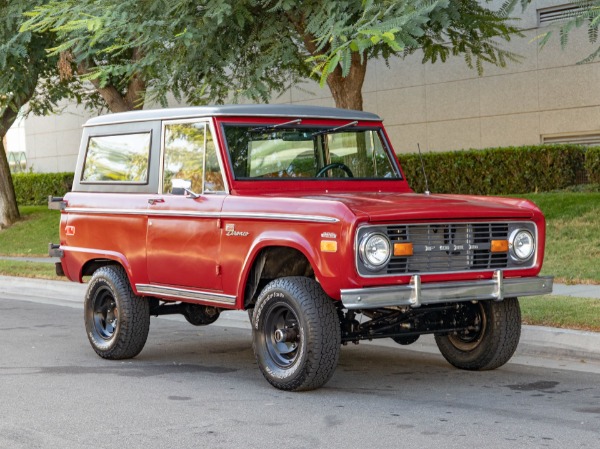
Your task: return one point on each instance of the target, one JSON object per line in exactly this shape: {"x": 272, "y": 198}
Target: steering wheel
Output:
{"x": 335, "y": 165}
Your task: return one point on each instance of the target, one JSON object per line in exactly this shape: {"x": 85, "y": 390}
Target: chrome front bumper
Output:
{"x": 416, "y": 294}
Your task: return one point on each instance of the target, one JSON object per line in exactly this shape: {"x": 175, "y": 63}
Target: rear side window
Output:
{"x": 120, "y": 158}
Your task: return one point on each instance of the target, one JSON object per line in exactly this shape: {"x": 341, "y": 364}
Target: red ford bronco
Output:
{"x": 300, "y": 215}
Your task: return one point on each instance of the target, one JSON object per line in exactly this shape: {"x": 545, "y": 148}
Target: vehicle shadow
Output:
{"x": 212, "y": 350}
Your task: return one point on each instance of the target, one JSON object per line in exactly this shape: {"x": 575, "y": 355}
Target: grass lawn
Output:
{"x": 31, "y": 235}
{"x": 573, "y": 236}
{"x": 561, "y": 311}
{"x": 36, "y": 270}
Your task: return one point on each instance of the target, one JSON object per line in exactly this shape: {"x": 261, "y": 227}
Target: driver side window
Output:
{"x": 190, "y": 159}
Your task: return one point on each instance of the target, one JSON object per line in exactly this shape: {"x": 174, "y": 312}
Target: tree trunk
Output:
{"x": 347, "y": 91}
{"x": 136, "y": 88}
{"x": 9, "y": 212}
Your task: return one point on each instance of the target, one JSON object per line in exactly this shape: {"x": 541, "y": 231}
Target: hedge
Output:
{"x": 34, "y": 188}
{"x": 592, "y": 165}
{"x": 502, "y": 171}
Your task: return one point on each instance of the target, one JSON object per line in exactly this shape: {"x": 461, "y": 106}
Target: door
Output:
{"x": 183, "y": 234}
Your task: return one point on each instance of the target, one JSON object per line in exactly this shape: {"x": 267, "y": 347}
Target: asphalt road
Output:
{"x": 200, "y": 387}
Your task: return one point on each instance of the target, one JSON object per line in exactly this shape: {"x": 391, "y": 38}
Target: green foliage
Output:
{"x": 368, "y": 29}
{"x": 592, "y": 164}
{"x": 103, "y": 43}
{"x": 384, "y": 28}
{"x": 497, "y": 171}
{"x": 27, "y": 74}
{"x": 216, "y": 51}
{"x": 198, "y": 52}
{"x": 28, "y": 84}
{"x": 34, "y": 188}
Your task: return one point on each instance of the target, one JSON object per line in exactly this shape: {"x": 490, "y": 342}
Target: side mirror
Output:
{"x": 182, "y": 187}
{"x": 178, "y": 186}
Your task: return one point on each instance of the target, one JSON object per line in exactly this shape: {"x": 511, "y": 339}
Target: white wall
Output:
{"x": 53, "y": 141}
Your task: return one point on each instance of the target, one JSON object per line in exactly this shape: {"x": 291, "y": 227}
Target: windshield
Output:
{"x": 263, "y": 152}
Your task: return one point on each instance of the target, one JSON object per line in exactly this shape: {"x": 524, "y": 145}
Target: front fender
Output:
{"x": 321, "y": 263}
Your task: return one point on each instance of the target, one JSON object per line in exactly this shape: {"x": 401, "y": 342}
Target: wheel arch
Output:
{"x": 269, "y": 260}
{"x": 99, "y": 260}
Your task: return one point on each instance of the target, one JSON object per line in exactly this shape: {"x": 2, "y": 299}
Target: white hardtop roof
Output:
{"x": 256, "y": 110}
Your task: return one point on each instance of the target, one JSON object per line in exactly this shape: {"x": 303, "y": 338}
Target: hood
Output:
{"x": 380, "y": 207}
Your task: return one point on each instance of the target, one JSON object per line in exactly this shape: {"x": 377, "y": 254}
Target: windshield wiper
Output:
{"x": 332, "y": 130}
{"x": 279, "y": 125}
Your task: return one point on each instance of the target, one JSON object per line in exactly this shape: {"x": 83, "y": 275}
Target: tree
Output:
{"x": 25, "y": 79}
{"x": 209, "y": 51}
{"x": 341, "y": 42}
{"x": 196, "y": 51}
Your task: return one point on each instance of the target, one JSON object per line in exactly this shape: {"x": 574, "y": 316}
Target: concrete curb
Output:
{"x": 536, "y": 341}
{"x": 560, "y": 343}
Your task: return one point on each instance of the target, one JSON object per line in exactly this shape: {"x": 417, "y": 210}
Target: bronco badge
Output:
{"x": 230, "y": 231}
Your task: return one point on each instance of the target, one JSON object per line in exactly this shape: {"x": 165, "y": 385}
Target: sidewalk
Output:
{"x": 556, "y": 345}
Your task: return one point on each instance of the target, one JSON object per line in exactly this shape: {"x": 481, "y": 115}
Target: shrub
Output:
{"x": 592, "y": 164}
{"x": 34, "y": 188}
{"x": 497, "y": 171}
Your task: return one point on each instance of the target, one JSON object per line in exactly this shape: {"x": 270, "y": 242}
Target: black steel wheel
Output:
{"x": 493, "y": 339}
{"x": 296, "y": 334}
{"x": 282, "y": 338}
{"x": 117, "y": 321}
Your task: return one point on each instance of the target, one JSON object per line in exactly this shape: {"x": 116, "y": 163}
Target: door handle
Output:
{"x": 153, "y": 201}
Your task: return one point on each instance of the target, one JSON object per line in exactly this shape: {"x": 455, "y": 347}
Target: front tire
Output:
{"x": 493, "y": 344}
{"x": 116, "y": 320}
{"x": 296, "y": 334}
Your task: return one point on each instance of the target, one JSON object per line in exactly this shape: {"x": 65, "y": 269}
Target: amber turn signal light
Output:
{"x": 403, "y": 249}
{"x": 499, "y": 246}
{"x": 328, "y": 246}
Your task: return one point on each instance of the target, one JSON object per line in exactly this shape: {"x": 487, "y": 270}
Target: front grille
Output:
{"x": 439, "y": 248}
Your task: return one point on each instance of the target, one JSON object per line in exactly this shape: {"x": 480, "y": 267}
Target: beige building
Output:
{"x": 546, "y": 97}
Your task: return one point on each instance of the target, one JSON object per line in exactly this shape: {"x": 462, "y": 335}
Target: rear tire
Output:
{"x": 296, "y": 334}
{"x": 493, "y": 344}
{"x": 117, "y": 321}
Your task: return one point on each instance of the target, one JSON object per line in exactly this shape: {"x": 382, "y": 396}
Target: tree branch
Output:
{"x": 110, "y": 94}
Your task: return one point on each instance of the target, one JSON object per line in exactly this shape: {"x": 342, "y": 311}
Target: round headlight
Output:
{"x": 375, "y": 251}
{"x": 522, "y": 245}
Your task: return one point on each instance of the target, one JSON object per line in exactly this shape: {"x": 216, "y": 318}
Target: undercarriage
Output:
{"x": 406, "y": 324}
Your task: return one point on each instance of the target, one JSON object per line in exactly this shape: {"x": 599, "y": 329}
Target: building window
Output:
{"x": 17, "y": 161}
{"x": 559, "y": 13}
{"x": 576, "y": 139}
